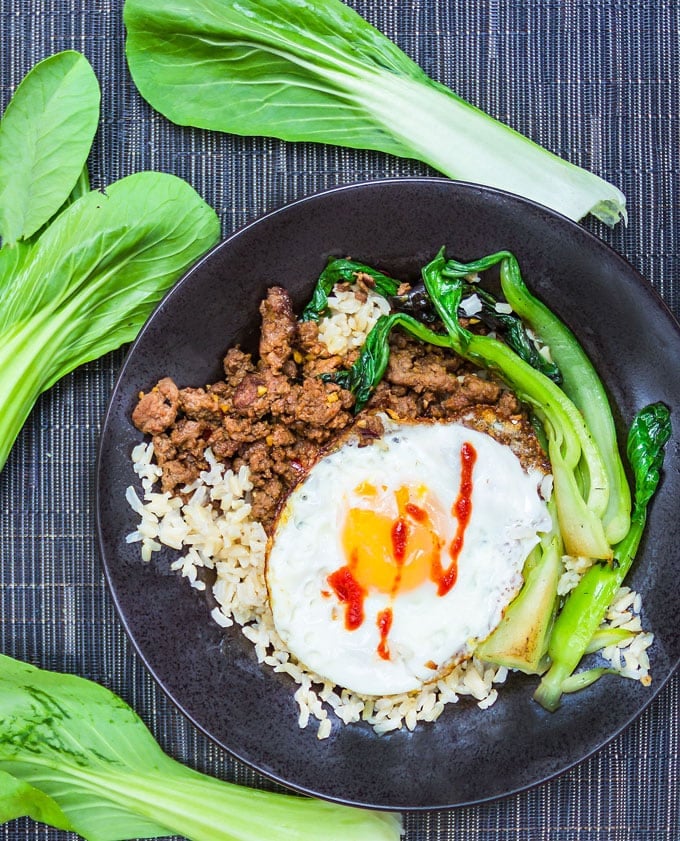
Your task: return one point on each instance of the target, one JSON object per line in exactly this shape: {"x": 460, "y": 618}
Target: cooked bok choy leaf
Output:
{"x": 345, "y": 271}
{"x": 582, "y": 384}
{"x": 521, "y": 639}
{"x": 75, "y": 756}
{"x": 527, "y": 639}
{"x": 577, "y": 378}
{"x": 509, "y": 324}
{"x": 515, "y": 335}
{"x": 570, "y": 444}
{"x": 571, "y": 448}
{"x": 585, "y": 606}
{"x": 368, "y": 370}
{"x": 315, "y": 70}
{"x": 87, "y": 267}
{"x": 415, "y": 301}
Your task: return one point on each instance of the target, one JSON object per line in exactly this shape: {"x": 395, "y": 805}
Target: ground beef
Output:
{"x": 236, "y": 365}
{"x": 163, "y": 448}
{"x": 179, "y": 472}
{"x": 414, "y": 366}
{"x": 198, "y": 404}
{"x": 279, "y": 329}
{"x": 189, "y": 436}
{"x": 278, "y": 415}
{"x": 157, "y": 410}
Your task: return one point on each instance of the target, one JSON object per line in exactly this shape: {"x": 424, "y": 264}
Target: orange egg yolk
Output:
{"x": 392, "y": 543}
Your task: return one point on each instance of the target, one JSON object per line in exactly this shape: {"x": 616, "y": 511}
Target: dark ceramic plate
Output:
{"x": 468, "y": 755}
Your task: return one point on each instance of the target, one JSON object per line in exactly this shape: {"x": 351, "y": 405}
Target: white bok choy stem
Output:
{"x": 75, "y": 756}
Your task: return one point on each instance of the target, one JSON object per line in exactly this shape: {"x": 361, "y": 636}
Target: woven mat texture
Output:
{"x": 596, "y": 81}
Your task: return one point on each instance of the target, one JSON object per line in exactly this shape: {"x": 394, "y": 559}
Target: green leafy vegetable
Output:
{"x": 571, "y": 448}
{"x": 75, "y": 756}
{"x": 515, "y": 334}
{"x": 85, "y": 282}
{"x": 608, "y": 636}
{"x": 536, "y": 633}
{"x": 19, "y": 799}
{"x": 586, "y": 605}
{"x": 45, "y": 137}
{"x": 581, "y": 680}
{"x": 417, "y": 302}
{"x": 344, "y": 271}
{"x": 521, "y": 639}
{"x": 577, "y": 377}
{"x": 582, "y": 384}
{"x": 117, "y": 254}
{"x": 368, "y": 370}
{"x": 570, "y": 445}
{"x": 314, "y": 70}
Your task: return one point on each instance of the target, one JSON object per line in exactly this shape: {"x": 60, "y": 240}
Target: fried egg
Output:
{"x": 389, "y": 562}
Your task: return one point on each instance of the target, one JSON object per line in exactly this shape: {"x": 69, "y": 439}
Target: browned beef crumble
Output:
{"x": 278, "y": 416}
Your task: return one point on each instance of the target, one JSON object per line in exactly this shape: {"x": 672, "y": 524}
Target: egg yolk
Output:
{"x": 392, "y": 545}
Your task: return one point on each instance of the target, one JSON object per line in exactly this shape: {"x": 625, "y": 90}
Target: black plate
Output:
{"x": 468, "y": 755}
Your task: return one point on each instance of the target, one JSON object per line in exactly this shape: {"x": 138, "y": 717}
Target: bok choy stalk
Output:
{"x": 315, "y": 70}
{"x": 571, "y": 448}
{"x": 570, "y": 444}
{"x": 75, "y": 756}
{"x": 579, "y": 379}
{"x": 514, "y": 333}
{"x": 521, "y": 639}
{"x": 581, "y": 383}
{"x": 80, "y": 270}
{"x": 585, "y": 606}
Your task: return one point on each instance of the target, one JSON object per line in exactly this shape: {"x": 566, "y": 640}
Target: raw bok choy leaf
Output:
{"x": 75, "y": 756}
{"x": 89, "y": 282}
{"x": 315, "y": 70}
{"x": 45, "y": 138}
{"x": 80, "y": 270}
{"x": 19, "y": 799}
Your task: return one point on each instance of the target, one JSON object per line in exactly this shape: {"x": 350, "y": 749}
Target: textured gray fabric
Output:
{"x": 596, "y": 81}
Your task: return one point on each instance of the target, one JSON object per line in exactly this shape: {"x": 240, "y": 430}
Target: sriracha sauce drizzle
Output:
{"x": 384, "y": 623}
{"x": 399, "y": 535}
{"x": 462, "y": 511}
{"x": 351, "y": 594}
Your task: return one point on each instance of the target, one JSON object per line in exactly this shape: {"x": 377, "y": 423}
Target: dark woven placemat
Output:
{"x": 596, "y": 81}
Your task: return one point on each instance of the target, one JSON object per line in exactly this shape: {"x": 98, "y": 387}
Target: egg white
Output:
{"x": 429, "y": 632}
